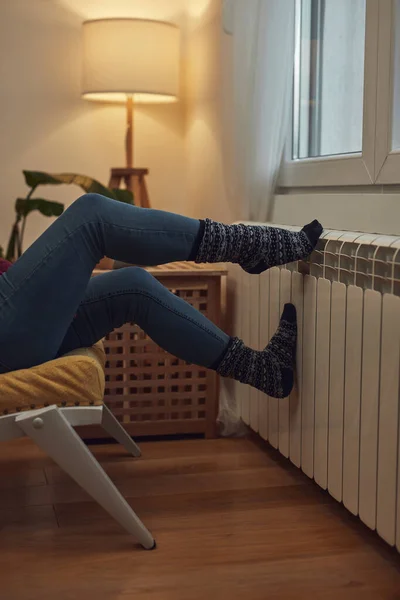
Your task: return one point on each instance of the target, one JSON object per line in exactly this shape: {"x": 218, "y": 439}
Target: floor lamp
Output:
{"x": 132, "y": 61}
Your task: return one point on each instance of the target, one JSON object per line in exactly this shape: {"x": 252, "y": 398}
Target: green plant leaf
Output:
{"x": 123, "y": 196}
{"x": 35, "y": 178}
{"x": 88, "y": 184}
{"x": 48, "y": 208}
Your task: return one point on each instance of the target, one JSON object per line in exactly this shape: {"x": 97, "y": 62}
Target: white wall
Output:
{"x": 45, "y": 125}
{"x": 206, "y": 57}
{"x": 369, "y": 212}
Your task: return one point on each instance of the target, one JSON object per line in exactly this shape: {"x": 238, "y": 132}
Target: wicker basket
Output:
{"x": 152, "y": 392}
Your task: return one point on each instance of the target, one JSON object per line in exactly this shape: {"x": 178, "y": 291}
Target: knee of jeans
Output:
{"x": 139, "y": 279}
{"x": 140, "y": 276}
{"x": 89, "y": 204}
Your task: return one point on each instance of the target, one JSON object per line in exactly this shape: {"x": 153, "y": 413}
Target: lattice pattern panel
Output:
{"x": 146, "y": 386}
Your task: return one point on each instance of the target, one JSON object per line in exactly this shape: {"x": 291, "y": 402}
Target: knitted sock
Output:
{"x": 254, "y": 247}
{"x": 269, "y": 370}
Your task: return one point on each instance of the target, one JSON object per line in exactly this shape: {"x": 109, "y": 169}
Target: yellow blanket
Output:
{"x": 76, "y": 379}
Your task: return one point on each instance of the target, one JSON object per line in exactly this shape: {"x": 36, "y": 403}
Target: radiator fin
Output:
{"x": 352, "y": 392}
{"x": 369, "y": 407}
{"x": 274, "y": 316}
{"x": 309, "y": 330}
{"x": 336, "y": 390}
{"x": 388, "y": 419}
{"x": 296, "y": 396}
{"x": 323, "y": 334}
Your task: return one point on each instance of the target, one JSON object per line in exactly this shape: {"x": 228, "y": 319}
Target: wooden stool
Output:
{"x": 151, "y": 392}
{"x": 135, "y": 182}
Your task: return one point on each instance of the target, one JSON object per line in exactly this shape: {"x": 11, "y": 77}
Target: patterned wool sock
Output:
{"x": 254, "y": 247}
{"x": 270, "y": 370}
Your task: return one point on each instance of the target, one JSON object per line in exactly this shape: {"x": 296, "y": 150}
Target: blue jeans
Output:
{"x": 49, "y": 304}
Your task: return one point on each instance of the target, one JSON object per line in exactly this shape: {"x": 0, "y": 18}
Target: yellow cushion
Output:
{"x": 71, "y": 380}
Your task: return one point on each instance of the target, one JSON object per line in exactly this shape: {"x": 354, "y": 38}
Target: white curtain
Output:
{"x": 257, "y": 69}
{"x": 260, "y": 94}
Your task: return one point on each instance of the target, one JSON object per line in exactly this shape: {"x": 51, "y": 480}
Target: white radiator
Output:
{"x": 341, "y": 424}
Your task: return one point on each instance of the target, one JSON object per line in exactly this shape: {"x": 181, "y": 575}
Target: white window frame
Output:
{"x": 387, "y": 161}
{"x": 376, "y": 163}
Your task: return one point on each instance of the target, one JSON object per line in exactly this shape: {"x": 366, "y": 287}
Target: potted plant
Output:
{"x": 49, "y": 208}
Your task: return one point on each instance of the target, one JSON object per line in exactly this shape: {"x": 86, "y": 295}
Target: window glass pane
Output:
{"x": 396, "y": 87}
{"x": 328, "y": 77}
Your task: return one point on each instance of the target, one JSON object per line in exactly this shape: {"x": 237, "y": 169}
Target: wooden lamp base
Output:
{"x": 134, "y": 179}
{"x": 135, "y": 182}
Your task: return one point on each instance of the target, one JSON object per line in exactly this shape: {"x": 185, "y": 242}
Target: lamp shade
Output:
{"x": 123, "y": 57}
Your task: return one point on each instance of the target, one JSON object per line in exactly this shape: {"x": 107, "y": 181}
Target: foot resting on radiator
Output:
{"x": 270, "y": 370}
{"x": 256, "y": 248}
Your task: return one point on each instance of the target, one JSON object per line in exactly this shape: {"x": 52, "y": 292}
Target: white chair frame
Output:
{"x": 52, "y": 428}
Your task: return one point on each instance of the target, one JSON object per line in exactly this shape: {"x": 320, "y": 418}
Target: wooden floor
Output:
{"x": 232, "y": 520}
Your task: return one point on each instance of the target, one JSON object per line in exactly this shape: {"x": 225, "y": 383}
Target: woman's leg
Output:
{"x": 40, "y": 294}
{"x": 133, "y": 295}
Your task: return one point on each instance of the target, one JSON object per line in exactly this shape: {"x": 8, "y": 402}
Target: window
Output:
{"x": 328, "y": 78}
{"x": 346, "y": 94}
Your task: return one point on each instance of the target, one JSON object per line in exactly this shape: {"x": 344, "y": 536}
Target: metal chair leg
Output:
{"x": 52, "y": 433}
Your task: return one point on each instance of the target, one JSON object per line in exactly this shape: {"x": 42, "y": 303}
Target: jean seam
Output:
{"x": 157, "y": 231}
{"x": 157, "y": 301}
